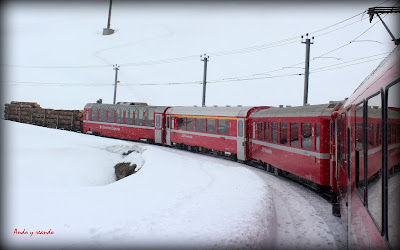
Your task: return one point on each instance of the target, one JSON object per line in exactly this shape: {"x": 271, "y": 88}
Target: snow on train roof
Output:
{"x": 210, "y": 111}
{"x": 300, "y": 111}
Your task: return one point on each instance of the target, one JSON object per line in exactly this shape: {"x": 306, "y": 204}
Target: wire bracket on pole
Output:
{"x": 384, "y": 10}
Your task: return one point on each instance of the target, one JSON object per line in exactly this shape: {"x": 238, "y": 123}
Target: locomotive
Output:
{"x": 348, "y": 149}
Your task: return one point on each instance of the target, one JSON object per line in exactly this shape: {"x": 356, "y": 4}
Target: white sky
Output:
{"x": 56, "y": 55}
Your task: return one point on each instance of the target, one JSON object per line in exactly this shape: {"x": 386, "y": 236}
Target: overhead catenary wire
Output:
{"x": 265, "y": 46}
{"x": 230, "y": 79}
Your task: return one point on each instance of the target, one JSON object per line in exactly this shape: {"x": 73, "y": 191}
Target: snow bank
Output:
{"x": 64, "y": 182}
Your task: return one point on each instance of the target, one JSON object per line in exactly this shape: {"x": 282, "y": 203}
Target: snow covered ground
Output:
{"x": 63, "y": 183}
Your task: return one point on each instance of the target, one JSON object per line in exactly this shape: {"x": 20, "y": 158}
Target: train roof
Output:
{"x": 299, "y": 111}
{"x": 125, "y": 105}
{"x": 238, "y": 111}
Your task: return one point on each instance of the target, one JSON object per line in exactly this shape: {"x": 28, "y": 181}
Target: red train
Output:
{"x": 349, "y": 150}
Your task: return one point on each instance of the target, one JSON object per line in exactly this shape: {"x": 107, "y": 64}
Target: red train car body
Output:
{"x": 368, "y": 159}
{"x": 284, "y": 136}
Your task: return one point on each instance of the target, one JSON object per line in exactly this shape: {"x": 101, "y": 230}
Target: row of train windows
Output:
{"x": 268, "y": 131}
{"x": 369, "y": 157}
{"x": 203, "y": 125}
{"x": 374, "y": 134}
{"x": 132, "y": 117}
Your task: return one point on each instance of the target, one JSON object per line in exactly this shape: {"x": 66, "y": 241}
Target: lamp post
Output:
{"x": 108, "y": 31}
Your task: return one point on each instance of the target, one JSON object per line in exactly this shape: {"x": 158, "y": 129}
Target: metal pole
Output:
{"x": 109, "y": 15}
{"x": 205, "y": 59}
{"x": 116, "y": 68}
{"x": 307, "y": 67}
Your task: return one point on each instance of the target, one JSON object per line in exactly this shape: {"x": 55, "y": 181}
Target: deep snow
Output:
{"x": 64, "y": 182}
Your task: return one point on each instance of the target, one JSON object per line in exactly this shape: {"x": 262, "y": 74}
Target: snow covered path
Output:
{"x": 64, "y": 182}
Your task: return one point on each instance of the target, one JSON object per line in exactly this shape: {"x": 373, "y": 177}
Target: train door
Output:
{"x": 241, "y": 139}
{"x": 168, "y": 130}
{"x": 158, "y": 129}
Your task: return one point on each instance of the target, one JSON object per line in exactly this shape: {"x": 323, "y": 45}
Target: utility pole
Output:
{"x": 108, "y": 31}
{"x": 307, "y": 68}
{"x": 205, "y": 59}
{"x": 116, "y": 68}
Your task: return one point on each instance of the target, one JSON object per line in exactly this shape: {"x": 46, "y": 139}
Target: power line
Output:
{"x": 270, "y": 45}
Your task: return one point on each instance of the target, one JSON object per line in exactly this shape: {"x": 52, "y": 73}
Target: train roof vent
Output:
{"x": 239, "y": 105}
{"x": 288, "y": 106}
{"x": 375, "y": 107}
{"x": 281, "y": 106}
{"x": 228, "y": 105}
{"x": 215, "y": 105}
{"x": 194, "y": 105}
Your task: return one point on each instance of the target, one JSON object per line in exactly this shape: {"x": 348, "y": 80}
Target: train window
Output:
{"x": 120, "y": 115}
{"x": 102, "y": 113}
{"x": 190, "y": 124}
{"x": 377, "y": 135}
{"x": 87, "y": 115}
{"x": 199, "y": 124}
{"x": 210, "y": 126}
{"x": 370, "y": 135}
{"x": 95, "y": 110}
{"x": 129, "y": 116}
{"x": 139, "y": 116}
{"x": 223, "y": 126}
{"x": 110, "y": 114}
{"x": 393, "y": 166}
{"x": 294, "y": 134}
{"x": 259, "y": 131}
{"x": 284, "y": 133}
{"x": 167, "y": 121}
{"x": 158, "y": 120}
{"x": 374, "y": 163}
{"x": 181, "y": 123}
{"x": 306, "y": 135}
{"x": 267, "y": 131}
{"x": 149, "y": 117}
{"x": 317, "y": 137}
{"x": 275, "y": 132}
{"x": 359, "y": 154}
{"x": 240, "y": 128}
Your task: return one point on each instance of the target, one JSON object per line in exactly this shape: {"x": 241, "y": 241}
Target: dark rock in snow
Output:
{"x": 124, "y": 169}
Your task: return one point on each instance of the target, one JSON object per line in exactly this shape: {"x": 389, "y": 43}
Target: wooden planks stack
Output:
{"x": 31, "y": 112}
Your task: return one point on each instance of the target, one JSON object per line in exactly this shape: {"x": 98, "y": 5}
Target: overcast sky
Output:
{"x": 56, "y": 55}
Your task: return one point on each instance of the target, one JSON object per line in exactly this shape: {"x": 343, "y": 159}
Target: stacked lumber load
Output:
{"x": 31, "y": 112}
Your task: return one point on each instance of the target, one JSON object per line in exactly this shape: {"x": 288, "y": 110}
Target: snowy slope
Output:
{"x": 64, "y": 182}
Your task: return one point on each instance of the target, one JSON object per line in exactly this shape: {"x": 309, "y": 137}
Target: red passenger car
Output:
{"x": 126, "y": 121}
{"x": 295, "y": 140}
{"x": 222, "y": 130}
{"x": 368, "y": 159}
